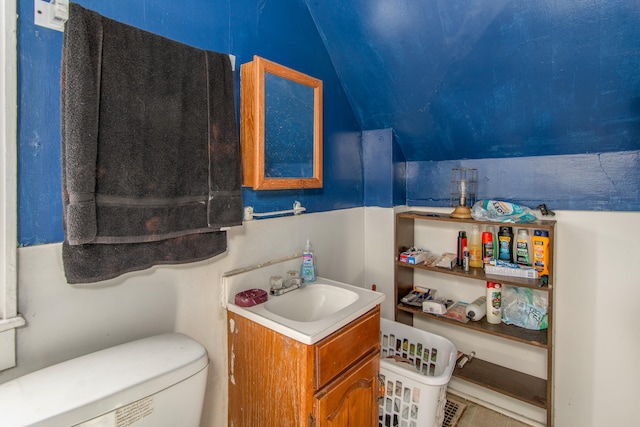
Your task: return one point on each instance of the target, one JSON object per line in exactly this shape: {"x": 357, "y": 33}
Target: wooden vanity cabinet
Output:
{"x": 275, "y": 380}
{"x": 351, "y": 399}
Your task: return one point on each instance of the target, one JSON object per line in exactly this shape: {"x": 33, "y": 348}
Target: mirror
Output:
{"x": 280, "y": 127}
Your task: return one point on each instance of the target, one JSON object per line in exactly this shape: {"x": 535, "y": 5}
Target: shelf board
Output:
{"x": 478, "y": 274}
{"x": 510, "y": 332}
{"x": 436, "y": 216}
{"x": 524, "y": 387}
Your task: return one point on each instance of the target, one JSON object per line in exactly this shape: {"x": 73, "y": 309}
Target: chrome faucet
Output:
{"x": 279, "y": 287}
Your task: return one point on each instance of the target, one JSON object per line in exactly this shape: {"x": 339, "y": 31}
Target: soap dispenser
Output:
{"x": 308, "y": 268}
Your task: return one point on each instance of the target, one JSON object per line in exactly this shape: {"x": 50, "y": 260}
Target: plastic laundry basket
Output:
{"x": 416, "y": 378}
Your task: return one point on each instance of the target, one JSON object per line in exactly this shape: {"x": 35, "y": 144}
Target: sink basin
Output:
{"x": 311, "y": 303}
{"x": 312, "y": 312}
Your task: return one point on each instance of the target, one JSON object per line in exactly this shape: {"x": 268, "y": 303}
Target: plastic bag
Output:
{"x": 524, "y": 307}
{"x": 457, "y": 312}
{"x": 495, "y": 210}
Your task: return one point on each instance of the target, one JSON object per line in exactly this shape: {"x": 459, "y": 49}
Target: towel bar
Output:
{"x": 249, "y": 214}
{"x": 51, "y": 14}
{"x": 54, "y": 13}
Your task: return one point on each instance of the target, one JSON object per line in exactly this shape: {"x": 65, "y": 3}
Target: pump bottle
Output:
{"x": 308, "y": 268}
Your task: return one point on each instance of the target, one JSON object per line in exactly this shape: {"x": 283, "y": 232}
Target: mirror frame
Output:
{"x": 252, "y": 125}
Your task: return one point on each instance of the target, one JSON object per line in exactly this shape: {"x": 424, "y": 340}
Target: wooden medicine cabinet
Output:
{"x": 280, "y": 127}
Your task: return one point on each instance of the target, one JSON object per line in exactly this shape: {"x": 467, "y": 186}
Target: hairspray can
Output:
{"x": 462, "y": 242}
{"x": 487, "y": 247}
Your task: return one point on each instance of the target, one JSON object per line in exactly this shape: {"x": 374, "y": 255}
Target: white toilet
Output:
{"x": 158, "y": 381}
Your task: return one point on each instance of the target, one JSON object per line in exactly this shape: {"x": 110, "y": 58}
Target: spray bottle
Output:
{"x": 462, "y": 242}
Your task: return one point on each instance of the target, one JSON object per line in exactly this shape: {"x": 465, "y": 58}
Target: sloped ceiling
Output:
{"x": 457, "y": 79}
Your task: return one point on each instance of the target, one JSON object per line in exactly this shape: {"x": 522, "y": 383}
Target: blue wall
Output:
{"x": 542, "y": 97}
{"x": 604, "y": 181}
{"x": 458, "y": 79}
{"x": 280, "y": 30}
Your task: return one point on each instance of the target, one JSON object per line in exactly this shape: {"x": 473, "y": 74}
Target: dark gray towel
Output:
{"x": 150, "y": 148}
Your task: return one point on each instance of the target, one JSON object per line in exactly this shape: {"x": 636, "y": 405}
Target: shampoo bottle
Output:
{"x": 523, "y": 247}
{"x": 505, "y": 244}
{"x": 475, "y": 247}
{"x": 540, "y": 243}
{"x": 494, "y": 302}
{"x": 491, "y": 229}
{"x": 308, "y": 269}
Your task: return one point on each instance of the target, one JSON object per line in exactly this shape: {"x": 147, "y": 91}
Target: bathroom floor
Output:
{"x": 475, "y": 415}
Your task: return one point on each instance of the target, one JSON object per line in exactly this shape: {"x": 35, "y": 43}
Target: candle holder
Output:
{"x": 464, "y": 186}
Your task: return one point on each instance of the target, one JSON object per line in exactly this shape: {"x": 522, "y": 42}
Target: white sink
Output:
{"x": 312, "y": 312}
{"x": 312, "y": 302}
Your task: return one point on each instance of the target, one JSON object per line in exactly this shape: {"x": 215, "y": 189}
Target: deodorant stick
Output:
{"x": 494, "y": 302}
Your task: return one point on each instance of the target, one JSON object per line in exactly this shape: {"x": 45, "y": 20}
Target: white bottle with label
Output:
{"x": 477, "y": 309}
{"x": 494, "y": 303}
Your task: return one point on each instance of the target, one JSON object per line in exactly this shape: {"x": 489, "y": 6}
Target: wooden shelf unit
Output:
{"x": 527, "y": 388}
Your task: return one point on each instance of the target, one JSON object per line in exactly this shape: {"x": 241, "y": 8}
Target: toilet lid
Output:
{"x": 78, "y": 389}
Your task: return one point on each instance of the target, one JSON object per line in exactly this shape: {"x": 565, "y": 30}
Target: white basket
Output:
{"x": 415, "y": 396}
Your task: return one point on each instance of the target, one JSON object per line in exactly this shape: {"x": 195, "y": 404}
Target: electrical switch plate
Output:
{"x": 51, "y": 14}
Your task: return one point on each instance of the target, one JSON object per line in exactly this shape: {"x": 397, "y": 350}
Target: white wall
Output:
{"x": 66, "y": 321}
{"x": 596, "y": 292}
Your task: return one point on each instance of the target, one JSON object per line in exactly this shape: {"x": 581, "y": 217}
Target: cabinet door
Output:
{"x": 350, "y": 401}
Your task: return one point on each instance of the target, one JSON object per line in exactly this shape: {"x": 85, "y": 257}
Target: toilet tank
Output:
{"x": 158, "y": 381}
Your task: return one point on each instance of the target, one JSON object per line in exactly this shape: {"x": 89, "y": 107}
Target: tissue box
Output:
{"x": 447, "y": 260}
{"x": 416, "y": 256}
{"x": 437, "y": 306}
